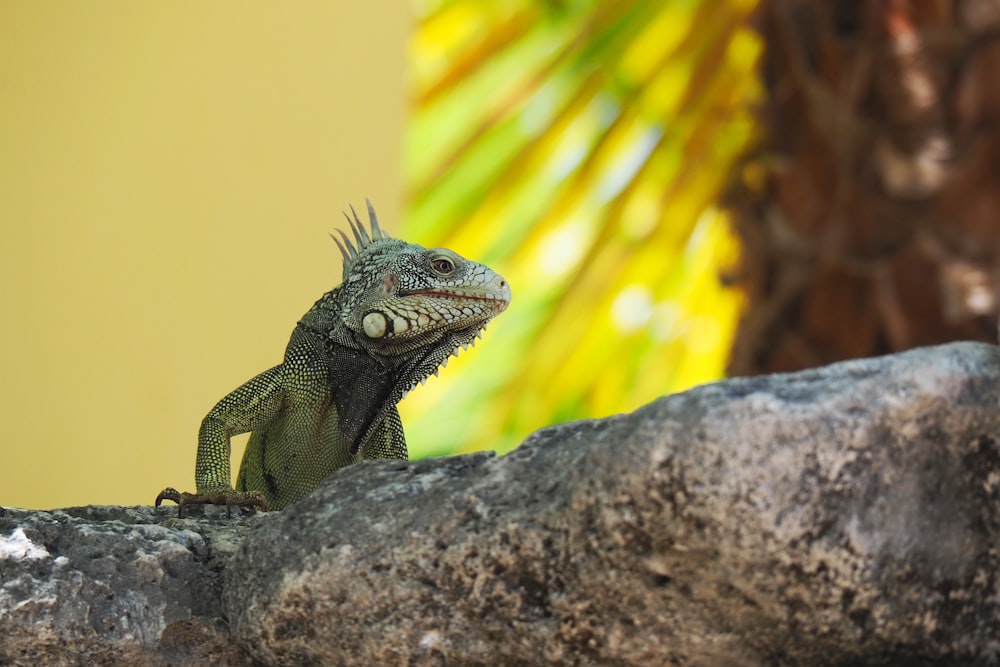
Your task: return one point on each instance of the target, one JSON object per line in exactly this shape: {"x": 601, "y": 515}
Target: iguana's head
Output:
{"x": 401, "y": 299}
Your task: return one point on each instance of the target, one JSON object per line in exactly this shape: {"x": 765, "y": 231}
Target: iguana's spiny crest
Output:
{"x": 361, "y": 235}
{"x": 401, "y": 299}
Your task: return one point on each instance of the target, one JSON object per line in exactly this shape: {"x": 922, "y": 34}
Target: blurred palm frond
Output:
{"x": 578, "y": 148}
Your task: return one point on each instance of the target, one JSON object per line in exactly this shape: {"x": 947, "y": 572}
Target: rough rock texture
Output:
{"x": 841, "y": 516}
{"x": 115, "y": 586}
{"x": 846, "y": 515}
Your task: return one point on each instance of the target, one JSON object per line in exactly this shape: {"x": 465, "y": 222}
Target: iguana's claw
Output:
{"x": 226, "y": 497}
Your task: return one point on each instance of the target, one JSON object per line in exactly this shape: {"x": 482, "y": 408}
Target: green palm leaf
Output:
{"x": 579, "y": 148}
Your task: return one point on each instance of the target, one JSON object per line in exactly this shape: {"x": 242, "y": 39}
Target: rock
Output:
{"x": 844, "y": 515}
{"x": 114, "y": 586}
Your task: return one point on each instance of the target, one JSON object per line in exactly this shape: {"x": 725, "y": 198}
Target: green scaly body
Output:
{"x": 399, "y": 314}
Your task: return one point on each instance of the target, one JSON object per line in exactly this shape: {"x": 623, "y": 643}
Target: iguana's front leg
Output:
{"x": 251, "y": 406}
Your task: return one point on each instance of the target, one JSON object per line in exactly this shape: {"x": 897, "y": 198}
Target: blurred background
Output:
{"x": 676, "y": 191}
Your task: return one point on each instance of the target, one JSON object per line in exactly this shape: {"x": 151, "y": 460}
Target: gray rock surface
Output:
{"x": 105, "y": 585}
{"x": 841, "y": 516}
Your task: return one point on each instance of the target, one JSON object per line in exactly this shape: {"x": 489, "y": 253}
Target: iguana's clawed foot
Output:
{"x": 226, "y": 497}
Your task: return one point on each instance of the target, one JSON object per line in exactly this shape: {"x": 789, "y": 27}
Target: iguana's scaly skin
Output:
{"x": 400, "y": 312}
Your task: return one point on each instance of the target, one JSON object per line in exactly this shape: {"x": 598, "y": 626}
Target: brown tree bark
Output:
{"x": 870, "y": 214}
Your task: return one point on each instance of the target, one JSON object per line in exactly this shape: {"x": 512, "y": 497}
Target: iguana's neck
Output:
{"x": 324, "y": 321}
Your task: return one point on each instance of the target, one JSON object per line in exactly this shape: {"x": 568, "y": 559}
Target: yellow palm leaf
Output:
{"x": 580, "y": 149}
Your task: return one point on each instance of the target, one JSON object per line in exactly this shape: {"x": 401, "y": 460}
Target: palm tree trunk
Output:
{"x": 869, "y": 217}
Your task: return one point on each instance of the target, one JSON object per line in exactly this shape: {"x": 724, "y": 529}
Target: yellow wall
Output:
{"x": 168, "y": 175}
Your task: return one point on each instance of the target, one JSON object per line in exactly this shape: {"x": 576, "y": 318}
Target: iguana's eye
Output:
{"x": 443, "y": 265}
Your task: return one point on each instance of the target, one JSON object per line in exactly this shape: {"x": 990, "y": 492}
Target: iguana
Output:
{"x": 401, "y": 311}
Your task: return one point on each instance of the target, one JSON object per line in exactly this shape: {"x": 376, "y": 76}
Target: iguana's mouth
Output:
{"x": 489, "y": 296}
